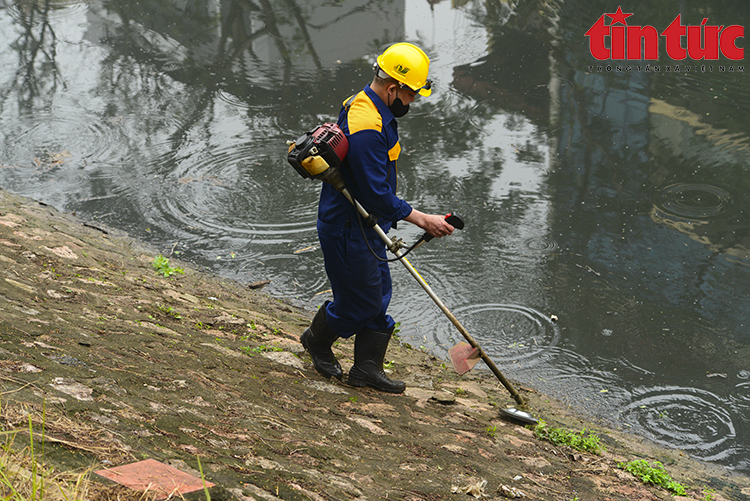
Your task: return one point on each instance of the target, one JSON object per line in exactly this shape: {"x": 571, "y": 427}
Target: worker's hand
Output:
{"x": 434, "y": 224}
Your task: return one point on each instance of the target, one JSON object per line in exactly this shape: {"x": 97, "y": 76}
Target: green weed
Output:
{"x": 583, "y": 440}
{"x": 161, "y": 265}
{"x": 655, "y": 475}
{"x": 170, "y": 311}
{"x": 203, "y": 479}
{"x": 708, "y": 494}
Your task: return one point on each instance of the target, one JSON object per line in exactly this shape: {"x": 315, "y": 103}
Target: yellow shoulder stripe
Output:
{"x": 395, "y": 151}
{"x": 363, "y": 115}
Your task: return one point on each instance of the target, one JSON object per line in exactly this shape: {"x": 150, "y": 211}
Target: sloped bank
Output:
{"x": 126, "y": 364}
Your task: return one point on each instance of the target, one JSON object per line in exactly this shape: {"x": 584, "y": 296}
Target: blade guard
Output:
{"x": 464, "y": 357}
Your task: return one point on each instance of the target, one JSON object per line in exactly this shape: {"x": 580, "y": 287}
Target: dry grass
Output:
{"x": 24, "y": 476}
{"x": 60, "y": 429}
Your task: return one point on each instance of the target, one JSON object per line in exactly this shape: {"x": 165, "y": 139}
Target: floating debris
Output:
{"x": 306, "y": 249}
{"x": 258, "y": 285}
{"x": 50, "y": 160}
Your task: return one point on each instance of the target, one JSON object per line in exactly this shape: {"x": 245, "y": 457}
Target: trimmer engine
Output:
{"x": 319, "y": 153}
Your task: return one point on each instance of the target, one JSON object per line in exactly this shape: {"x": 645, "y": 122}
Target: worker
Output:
{"x": 360, "y": 281}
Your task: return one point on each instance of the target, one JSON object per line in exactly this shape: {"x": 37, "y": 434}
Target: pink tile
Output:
{"x": 155, "y": 477}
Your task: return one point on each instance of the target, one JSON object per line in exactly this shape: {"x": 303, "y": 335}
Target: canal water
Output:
{"x": 610, "y": 195}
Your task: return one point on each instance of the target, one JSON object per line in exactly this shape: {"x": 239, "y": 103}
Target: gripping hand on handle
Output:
{"x": 435, "y": 225}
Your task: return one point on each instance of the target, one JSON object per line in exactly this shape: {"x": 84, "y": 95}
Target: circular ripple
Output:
{"x": 241, "y": 218}
{"x": 213, "y": 204}
{"x": 541, "y": 244}
{"x": 741, "y": 401}
{"x": 695, "y": 201}
{"x": 52, "y": 141}
{"x": 685, "y": 418}
{"x": 510, "y": 332}
{"x": 593, "y": 384}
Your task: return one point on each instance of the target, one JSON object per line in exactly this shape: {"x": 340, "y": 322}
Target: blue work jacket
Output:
{"x": 369, "y": 169}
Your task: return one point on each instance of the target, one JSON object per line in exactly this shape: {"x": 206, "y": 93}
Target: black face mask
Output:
{"x": 398, "y": 108}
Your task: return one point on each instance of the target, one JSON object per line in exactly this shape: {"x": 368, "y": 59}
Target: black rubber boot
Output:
{"x": 317, "y": 340}
{"x": 369, "y": 354}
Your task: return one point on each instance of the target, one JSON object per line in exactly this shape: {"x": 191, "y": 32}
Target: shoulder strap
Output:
{"x": 348, "y": 102}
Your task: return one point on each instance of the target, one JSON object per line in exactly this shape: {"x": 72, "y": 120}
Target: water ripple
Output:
{"x": 514, "y": 333}
{"x": 236, "y": 212}
{"x": 741, "y": 399}
{"x": 541, "y": 245}
{"x": 235, "y": 101}
{"x": 479, "y": 114}
{"x": 57, "y": 140}
{"x": 694, "y": 200}
{"x": 690, "y": 419}
{"x": 227, "y": 196}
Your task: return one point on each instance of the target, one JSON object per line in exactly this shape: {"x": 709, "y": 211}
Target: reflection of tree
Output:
{"x": 514, "y": 74}
{"x": 160, "y": 70}
{"x": 220, "y": 53}
{"x": 510, "y": 80}
{"x": 37, "y": 75}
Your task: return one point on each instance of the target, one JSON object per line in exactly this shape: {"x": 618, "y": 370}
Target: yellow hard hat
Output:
{"x": 409, "y": 65}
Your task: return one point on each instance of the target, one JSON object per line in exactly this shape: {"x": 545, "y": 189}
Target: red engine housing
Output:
{"x": 327, "y": 140}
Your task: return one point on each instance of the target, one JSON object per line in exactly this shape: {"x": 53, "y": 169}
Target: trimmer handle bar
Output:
{"x": 452, "y": 219}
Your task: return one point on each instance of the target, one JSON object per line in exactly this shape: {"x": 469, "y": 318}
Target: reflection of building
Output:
{"x": 323, "y": 34}
{"x": 679, "y": 132}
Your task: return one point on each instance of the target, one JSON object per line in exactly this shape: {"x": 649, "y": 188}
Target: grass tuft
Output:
{"x": 583, "y": 440}
{"x": 656, "y": 475}
{"x": 161, "y": 265}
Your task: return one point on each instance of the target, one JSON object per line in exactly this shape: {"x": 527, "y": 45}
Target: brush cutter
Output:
{"x": 317, "y": 155}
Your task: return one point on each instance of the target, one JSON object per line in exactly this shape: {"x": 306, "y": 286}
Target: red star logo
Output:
{"x": 619, "y": 17}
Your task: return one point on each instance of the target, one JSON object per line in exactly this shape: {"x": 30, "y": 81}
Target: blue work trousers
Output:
{"x": 361, "y": 284}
